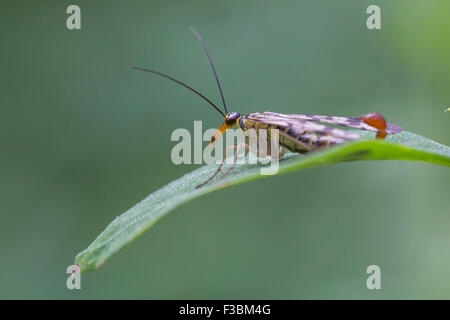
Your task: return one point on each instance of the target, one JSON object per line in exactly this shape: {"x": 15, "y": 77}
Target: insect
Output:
{"x": 298, "y": 133}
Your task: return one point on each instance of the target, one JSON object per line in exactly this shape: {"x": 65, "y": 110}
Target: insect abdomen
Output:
{"x": 293, "y": 139}
{"x": 300, "y": 141}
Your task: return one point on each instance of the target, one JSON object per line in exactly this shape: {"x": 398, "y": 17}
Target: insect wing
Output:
{"x": 340, "y": 121}
{"x": 286, "y": 122}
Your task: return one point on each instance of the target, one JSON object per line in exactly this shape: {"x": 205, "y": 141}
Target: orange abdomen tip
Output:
{"x": 376, "y": 120}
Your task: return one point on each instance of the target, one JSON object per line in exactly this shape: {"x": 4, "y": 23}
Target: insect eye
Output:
{"x": 231, "y": 118}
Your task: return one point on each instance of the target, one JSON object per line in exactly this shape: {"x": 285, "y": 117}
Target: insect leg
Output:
{"x": 239, "y": 146}
{"x": 223, "y": 160}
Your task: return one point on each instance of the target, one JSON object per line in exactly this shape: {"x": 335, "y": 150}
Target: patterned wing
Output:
{"x": 341, "y": 121}
{"x": 293, "y": 125}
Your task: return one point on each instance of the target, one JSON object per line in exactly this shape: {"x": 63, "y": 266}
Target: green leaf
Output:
{"x": 133, "y": 222}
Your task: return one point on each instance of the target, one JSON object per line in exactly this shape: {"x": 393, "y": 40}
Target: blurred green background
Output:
{"x": 84, "y": 137}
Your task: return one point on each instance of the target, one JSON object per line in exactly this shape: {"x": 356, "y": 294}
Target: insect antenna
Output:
{"x": 182, "y": 84}
{"x": 212, "y": 65}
